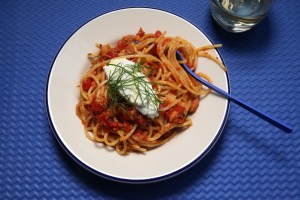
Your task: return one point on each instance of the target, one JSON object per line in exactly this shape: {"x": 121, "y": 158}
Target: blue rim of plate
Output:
{"x": 136, "y": 181}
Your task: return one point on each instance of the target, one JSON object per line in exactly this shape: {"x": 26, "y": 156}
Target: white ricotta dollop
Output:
{"x": 132, "y": 92}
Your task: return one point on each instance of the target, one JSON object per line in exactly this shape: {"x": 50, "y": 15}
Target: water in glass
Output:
{"x": 239, "y": 15}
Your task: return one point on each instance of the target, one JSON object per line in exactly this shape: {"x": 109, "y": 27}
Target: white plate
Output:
{"x": 71, "y": 62}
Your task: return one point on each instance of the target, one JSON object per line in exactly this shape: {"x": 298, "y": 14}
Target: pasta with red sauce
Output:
{"x": 113, "y": 121}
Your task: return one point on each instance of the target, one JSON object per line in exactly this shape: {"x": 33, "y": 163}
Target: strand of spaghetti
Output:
{"x": 110, "y": 143}
{"x": 215, "y": 59}
{"x": 184, "y": 81}
{"x": 206, "y": 77}
{"x": 192, "y": 61}
{"x": 172, "y": 85}
{"x": 99, "y": 65}
{"x": 146, "y": 50}
{"x": 150, "y": 131}
{"x": 86, "y": 131}
{"x": 97, "y": 134}
{"x": 159, "y": 142}
{"x": 165, "y": 60}
{"x": 134, "y": 145}
{"x": 141, "y": 56}
{"x": 207, "y": 47}
{"x": 121, "y": 147}
{"x": 130, "y": 132}
{"x": 179, "y": 72}
{"x": 158, "y": 75}
{"x": 144, "y": 43}
{"x": 191, "y": 55}
{"x": 154, "y": 141}
{"x": 167, "y": 127}
{"x": 170, "y": 105}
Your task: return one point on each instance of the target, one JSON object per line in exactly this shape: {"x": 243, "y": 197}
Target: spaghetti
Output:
{"x": 110, "y": 119}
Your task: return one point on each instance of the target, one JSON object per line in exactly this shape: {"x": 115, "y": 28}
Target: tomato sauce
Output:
{"x": 175, "y": 114}
{"x": 141, "y": 135}
{"x": 104, "y": 115}
{"x": 87, "y": 83}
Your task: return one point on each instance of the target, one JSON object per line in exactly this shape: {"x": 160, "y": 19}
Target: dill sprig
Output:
{"x": 124, "y": 77}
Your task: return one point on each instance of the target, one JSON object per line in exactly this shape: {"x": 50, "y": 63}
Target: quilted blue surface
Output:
{"x": 251, "y": 160}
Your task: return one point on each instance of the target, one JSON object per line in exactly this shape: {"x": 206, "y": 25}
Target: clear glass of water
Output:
{"x": 239, "y": 15}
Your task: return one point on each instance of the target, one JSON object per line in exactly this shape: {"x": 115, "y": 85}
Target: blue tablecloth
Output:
{"x": 251, "y": 160}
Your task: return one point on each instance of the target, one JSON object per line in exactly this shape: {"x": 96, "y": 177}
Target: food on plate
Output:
{"x": 136, "y": 95}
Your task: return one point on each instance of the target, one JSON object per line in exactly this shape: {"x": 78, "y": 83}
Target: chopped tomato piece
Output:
{"x": 98, "y": 105}
{"x": 112, "y": 53}
{"x": 124, "y": 42}
{"x": 87, "y": 83}
{"x": 157, "y": 33}
{"x": 113, "y": 125}
{"x": 103, "y": 117}
{"x": 194, "y": 105}
{"x": 141, "y": 33}
{"x": 176, "y": 113}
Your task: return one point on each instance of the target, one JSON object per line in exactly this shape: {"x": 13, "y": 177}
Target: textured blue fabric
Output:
{"x": 251, "y": 160}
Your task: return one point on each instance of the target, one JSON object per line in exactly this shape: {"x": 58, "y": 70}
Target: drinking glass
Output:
{"x": 239, "y": 15}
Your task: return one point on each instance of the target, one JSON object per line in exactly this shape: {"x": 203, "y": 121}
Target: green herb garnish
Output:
{"x": 130, "y": 79}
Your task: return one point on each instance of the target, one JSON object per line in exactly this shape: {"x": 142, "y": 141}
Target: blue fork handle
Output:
{"x": 281, "y": 125}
